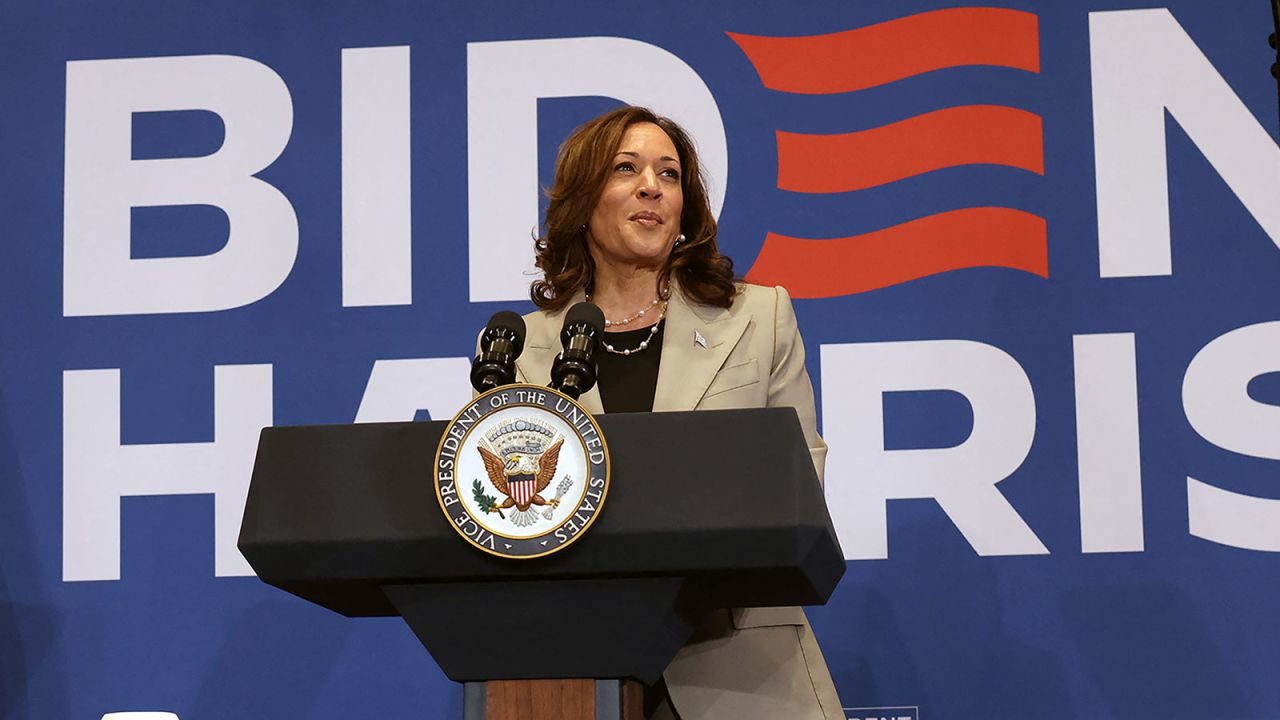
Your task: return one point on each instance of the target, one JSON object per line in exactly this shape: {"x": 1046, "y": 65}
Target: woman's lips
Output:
{"x": 648, "y": 219}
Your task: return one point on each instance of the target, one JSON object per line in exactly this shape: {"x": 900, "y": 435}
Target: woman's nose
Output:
{"x": 649, "y": 187}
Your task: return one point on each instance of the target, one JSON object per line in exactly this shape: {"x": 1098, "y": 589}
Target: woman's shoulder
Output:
{"x": 771, "y": 304}
{"x": 757, "y": 297}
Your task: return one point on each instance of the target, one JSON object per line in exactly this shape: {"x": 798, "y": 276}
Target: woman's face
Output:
{"x": 637, "y": 219}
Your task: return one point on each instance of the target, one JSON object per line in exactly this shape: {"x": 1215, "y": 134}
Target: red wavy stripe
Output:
{"x": 878, "y": 54}
{"x": 966, "y": 135}
{"x": 972, "y": 237}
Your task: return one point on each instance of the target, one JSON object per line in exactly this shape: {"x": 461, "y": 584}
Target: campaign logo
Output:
{"x": 876, "y": 55}
{"x": 522, "y": 471}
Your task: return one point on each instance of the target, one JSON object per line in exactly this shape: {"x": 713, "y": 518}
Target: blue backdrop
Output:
{"x": 1095, "y": 580}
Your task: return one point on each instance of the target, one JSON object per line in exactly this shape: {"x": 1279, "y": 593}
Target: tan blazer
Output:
{"x": 744, "y": 663}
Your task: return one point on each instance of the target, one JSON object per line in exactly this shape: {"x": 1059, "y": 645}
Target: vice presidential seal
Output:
{"x": 522, "y": 471}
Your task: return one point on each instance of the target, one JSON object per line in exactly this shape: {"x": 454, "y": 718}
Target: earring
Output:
{"x": 680, "y": 239}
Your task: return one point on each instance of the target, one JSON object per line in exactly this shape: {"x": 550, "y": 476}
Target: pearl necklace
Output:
{"x": 636, "y": 316}
{"x": 630, "y": 318}
{"x": 644, "y": 344}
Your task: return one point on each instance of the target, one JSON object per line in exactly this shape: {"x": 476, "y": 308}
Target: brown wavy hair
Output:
{"x": 582, "y": 168}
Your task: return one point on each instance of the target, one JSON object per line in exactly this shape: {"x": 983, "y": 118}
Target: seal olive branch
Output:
{"x": 487, "y": 503}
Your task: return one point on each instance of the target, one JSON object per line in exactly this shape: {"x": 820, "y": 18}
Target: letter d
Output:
{"x": 505, "y": 80}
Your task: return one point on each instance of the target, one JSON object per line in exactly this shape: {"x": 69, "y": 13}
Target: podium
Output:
{"x": 705, "y": 510}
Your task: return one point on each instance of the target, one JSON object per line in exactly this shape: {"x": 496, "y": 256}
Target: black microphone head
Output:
{"x": 500, "y": 344}
{"x": 512, "y": 324}
{"x": 584, "y": 313}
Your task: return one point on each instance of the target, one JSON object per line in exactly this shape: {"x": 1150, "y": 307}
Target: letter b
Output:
{"x": 103, "y": 183}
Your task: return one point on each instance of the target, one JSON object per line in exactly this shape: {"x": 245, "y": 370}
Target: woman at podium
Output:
{"x": 629, "y": 227}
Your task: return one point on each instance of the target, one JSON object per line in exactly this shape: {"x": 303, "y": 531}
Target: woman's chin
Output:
{"x": 641, "y": 256}
{"x": 649, "y": 261}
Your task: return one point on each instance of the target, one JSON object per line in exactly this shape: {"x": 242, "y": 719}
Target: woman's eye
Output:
{"x": 624, "y": 166}
{"x": 672, "y": 173}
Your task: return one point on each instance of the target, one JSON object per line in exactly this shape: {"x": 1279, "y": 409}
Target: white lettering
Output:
{"x": 1107, "y": 449}
{"x": 98, "y": 470}
{"x": 103, "y": 183}
{"x": 376, "y": 218}
{"x": 1144, "y": 63}
{"x": 862, "y": 475}
{"x": 1216, "y": 400}
{"x": 397, "y": 389}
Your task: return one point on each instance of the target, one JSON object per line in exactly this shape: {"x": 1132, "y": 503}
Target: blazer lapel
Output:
{"x": 695, "y": 345}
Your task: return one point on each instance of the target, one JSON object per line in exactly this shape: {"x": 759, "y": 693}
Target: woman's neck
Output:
{"x": 621, "y": 294}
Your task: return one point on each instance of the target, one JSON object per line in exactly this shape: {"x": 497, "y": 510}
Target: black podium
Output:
{"x": 705, "y": 510}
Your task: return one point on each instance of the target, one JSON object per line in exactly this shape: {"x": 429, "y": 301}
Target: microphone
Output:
{"x": 574, "y": 370}
{"x": 500, "y": 345}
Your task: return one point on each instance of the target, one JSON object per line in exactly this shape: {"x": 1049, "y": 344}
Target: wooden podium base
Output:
{"x": 575, "y": 699}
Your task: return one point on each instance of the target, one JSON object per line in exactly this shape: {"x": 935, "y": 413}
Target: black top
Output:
{"x": 627, "y": 382}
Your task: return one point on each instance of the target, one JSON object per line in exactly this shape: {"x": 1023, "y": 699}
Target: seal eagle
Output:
{"x": 521, "y": 478}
